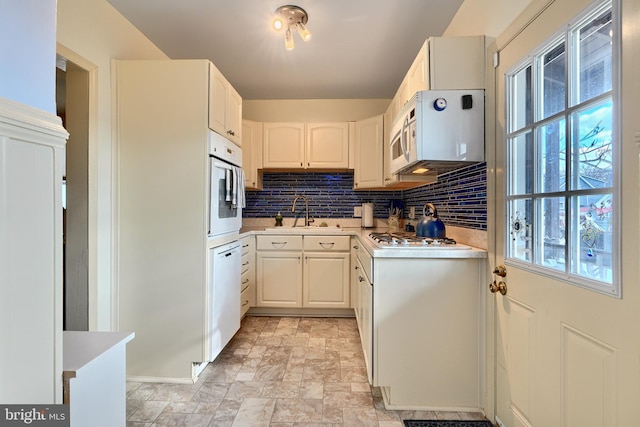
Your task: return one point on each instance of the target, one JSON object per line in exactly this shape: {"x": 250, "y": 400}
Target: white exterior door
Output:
{"x": 566, "y": 355}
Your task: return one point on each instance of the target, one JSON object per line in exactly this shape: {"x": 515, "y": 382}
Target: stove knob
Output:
{"x": 405, "y": 242}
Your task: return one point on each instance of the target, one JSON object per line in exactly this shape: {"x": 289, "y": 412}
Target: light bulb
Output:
{"x": 277, "y": 24}
{"x": 303, "y": 31}
{"x": 288, "y": 39}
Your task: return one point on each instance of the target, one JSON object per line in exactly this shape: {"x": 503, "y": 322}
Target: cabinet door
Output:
{"x": 456, "y": 62}
{"x": 402, "y": 96}
{"x": 283, "y": 145}
{"x": 368, "y": 172}
{"x": 252, "y": 153}
{"x": 233, "y": 116}
{"x": 225, "y": 107}
{"x": 354, "y": 284}
{"x": 279, "y": 275}
{"x": 366, "y": 324}
{"x": 419, "y": 72}
{"x": 326, "y": 280}
{"x": 217, "y": 101}
{"x": 327, "y": 145}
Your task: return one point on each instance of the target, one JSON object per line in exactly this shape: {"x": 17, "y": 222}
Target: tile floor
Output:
{"x": 277, "y": 372}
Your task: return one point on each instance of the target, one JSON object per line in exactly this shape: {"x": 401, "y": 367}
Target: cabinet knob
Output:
{"x": 232, "y": 133}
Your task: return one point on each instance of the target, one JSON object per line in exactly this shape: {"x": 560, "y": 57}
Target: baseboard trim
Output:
{"x": 301, "y": 312}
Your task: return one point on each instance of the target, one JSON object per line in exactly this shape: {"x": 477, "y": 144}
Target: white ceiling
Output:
{"x": 359, "y": 48}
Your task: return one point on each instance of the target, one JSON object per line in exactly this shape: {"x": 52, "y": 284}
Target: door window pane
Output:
{"x": 521, "y": 164}
{"x": 553, "y": 156}
{"x": 593, "y": 152}
{"x": 553, "y": 81}
{"x": 594, "y": 56}
{"x": 551, "y": 239}
{"x": 521, "y": 112}
{"x": 593, "y": 232}
{"x": 520, "y": 229}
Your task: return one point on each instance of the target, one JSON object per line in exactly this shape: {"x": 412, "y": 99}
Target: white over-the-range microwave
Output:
{"x": 438, "y": 131}
{"x": 226, "y": 186}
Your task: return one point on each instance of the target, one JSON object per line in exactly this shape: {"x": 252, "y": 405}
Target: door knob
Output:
{"x": 498, "y": 287}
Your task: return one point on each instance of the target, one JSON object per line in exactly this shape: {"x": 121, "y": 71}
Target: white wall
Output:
{"x": 96, "y": 32}
{"x": 28, "y": 26}
{"x": 313, "y": 110}
{"x": 488, "y": 17}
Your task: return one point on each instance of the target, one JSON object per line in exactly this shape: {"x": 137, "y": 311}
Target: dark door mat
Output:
{"x": 447, "y": 423}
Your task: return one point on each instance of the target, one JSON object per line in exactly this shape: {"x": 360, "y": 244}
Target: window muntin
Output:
{"x": 560, "y": 156}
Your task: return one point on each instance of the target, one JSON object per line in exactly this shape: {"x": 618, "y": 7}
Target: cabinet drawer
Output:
{"x": 247, "y": 300}
{"x": 326, "y": 243}
{"x": 245, "y": 280}
{"x": 246, "y": 262}
{"x": 279, "y": 243}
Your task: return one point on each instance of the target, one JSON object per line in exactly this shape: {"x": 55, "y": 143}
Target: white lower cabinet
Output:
{"x": 279, "y": 276}
{"x": 248, "y": 275}
{"x": 302, "y": 271}
{"x": 428, "y": 330}
{"x": 326, "y": 280}
{"x": 363, "y": 305}
{"x": 279, "y": 271}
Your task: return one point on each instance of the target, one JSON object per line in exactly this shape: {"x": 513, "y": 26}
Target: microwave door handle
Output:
{"x": 403, "y": 140}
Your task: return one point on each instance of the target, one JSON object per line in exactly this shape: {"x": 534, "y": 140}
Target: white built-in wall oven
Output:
{"x": 226, "y": 193}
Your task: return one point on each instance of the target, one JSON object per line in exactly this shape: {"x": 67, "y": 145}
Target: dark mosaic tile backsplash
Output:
{"x": 460, "y": 196}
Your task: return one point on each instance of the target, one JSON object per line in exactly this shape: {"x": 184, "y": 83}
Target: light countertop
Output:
{"x": 377, "y": 252}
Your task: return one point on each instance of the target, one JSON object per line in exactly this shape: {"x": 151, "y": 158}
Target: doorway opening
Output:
{"x": 73, "y": 107}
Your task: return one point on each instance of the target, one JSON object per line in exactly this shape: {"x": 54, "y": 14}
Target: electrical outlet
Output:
{"x": 357, "y": 211}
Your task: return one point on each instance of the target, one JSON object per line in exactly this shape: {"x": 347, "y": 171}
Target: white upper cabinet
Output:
{"x": 283, "y": 145}
{"x": 442, "y": 63}
{"x": 456, "y": 62}
{"x": 327, "y": 145}
{"x": 225, "y": 107}
{"x": 417, "y": 77}
{"x": 306, "y": 146}
{"x": 368, "y": 153}
{"x": 252, "y": 153}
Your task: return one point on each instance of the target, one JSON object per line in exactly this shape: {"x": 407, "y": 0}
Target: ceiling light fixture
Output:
{"x": 292, "y": 17}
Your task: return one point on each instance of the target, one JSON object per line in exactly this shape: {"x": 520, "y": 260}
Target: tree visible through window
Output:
{"x": 561, "y": 141}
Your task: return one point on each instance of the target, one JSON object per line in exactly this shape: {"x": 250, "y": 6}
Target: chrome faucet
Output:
{"x": 307, "y": 221}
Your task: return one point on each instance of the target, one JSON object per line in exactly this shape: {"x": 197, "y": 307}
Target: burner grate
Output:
{"x": 408, "y": 239}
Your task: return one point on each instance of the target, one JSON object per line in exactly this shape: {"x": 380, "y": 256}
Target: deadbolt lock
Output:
{"x": 501, "y": 271}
